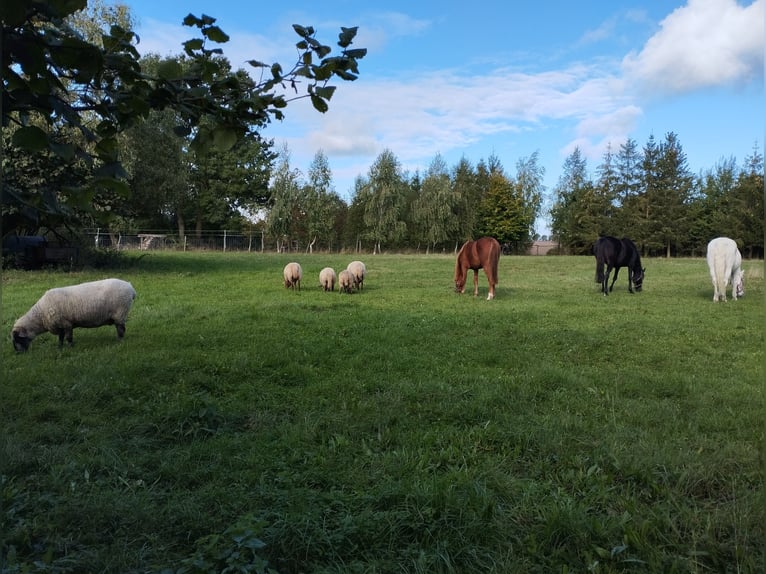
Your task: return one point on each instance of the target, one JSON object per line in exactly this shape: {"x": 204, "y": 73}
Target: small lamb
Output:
{"x": 293, "y": 275}
{"x": 327, "y": 279}
{"x": 89, "y": 305}
{"x": 345, "y": 281}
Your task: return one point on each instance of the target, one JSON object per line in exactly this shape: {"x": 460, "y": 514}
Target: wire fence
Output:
{"x": 234, "y": 241}
{"x": 198, "y": 241}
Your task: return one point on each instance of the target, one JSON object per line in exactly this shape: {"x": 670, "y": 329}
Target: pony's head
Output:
{"x": 739, "y": 283}
{"x": 638, "y": 278}
{"x": 460, "y": 275}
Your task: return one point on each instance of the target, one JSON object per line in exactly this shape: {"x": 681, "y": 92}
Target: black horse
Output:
{"x": 616, "y": 253}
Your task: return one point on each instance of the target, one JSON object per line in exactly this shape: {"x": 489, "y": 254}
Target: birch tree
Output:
{"x": 432, "y": 210}
{"x": 285, "y": 193}
{"x": 385, "y": 198}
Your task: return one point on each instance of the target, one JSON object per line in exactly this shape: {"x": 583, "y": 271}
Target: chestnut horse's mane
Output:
{"x": 458, "y": 271}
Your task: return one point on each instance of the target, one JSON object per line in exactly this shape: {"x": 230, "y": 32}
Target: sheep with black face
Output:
{"x": 88, "y": 305}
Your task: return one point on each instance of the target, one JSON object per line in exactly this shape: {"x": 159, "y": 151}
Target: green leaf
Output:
{"x": 257, "y": 64}
{"x": 31, "y": 139}
{"x": 356, "y": 53}
{"x": 215, "y": 34}
{"x": 303, "y": 31}
{"x": 345, "y": 75}
{"x": 194, "y": 44}
{"x": 319, "y": 104}
{"x": 346, "y": 36}
{"x": 325, "y": 92}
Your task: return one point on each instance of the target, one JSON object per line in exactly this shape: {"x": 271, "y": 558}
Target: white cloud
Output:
{"x": 705, "y": 43}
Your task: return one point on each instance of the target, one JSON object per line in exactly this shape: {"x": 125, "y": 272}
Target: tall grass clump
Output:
{"x": 403, "y": 428}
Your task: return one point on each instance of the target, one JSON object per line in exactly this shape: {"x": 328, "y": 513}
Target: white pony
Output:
{"x": 725, "y": 263}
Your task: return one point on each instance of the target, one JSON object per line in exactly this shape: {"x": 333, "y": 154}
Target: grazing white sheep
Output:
{"x": 345, "y": 281}
{"x": 327, "y": 279}
{"x": 293, "y": 275}
{"x": 725, "y": 263}
{"x": 61, "y": 309}
{"x": 358, "y": 271}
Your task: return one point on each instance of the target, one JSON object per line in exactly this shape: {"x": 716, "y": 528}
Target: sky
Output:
{"x": 503, "y": 79}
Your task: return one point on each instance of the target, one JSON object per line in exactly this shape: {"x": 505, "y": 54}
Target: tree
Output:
{"x": 576, "y": 214}
{"x": 668, "y": 190}
{"x": 467, "y": 192}
{"x": 321, "y": 202}
{"x": 607, "y": 192}
{"x": 432, "y": 209}
{"x": 384, "y": 200}
{"x": 284, "y": 212}
{"x": 529, "y": 180}
{"x": 53, "y": 76}
{"x": 157, "y": 165}
{"x": 748, "y": 204}
{"x": 628, "y": 189}
{"x": 712, "y": 209}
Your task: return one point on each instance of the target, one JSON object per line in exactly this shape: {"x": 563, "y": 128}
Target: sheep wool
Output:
{"x": 358, "y": 271}
{"x": 293, "y": 275}
{"x": 345, "y": 281}
{"x": 88, "y": 305}
{"x": 327, "y": 279}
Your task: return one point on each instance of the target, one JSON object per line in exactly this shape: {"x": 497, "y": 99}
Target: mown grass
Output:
{"x": 400, "y": 429}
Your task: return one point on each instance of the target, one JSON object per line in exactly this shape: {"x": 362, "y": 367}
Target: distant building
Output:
{"x": 540, "y": 247}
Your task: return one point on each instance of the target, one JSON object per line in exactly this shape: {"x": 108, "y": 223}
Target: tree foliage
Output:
{"x": 651, "y": 197}
{"x": 57, "y": 76}
{"x": 432, "y": 210}
{"x": 384, "y": 192}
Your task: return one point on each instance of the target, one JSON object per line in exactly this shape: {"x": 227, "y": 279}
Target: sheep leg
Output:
{"x": 120, "y": 330}
{"x": 65, "y": 333}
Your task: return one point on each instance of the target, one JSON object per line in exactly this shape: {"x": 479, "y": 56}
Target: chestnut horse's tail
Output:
{"x": 494, "y": 258}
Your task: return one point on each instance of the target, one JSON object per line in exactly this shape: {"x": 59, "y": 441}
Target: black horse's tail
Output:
{"x": 599, "y": 271}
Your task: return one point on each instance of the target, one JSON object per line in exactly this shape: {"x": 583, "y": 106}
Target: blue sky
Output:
{"x": 470, "y": 80}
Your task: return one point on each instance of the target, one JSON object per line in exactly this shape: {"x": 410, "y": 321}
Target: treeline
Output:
{"x": 650, "y": 196}
{"x": 391, "y": 209}
{"x": 131, "y": 143}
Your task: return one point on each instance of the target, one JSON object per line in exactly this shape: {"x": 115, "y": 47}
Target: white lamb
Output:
{"x": 327, "y": 279}
{"x": 358, "y": 271}
{"x": 725, "y": 264}
{"x": 60, "y": 310}
{"x": 345, "y": 281}
{"x": 293, "y": 275}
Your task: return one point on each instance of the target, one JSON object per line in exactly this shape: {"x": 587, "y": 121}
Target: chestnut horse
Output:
{"x": 484, "y": 254}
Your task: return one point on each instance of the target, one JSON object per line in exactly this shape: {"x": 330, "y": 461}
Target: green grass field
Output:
{"x": 401, "y": 429}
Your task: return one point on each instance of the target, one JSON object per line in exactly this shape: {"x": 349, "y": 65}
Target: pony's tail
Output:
{"x": 495, "y": 261}
{"x": 599, "y": 272}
